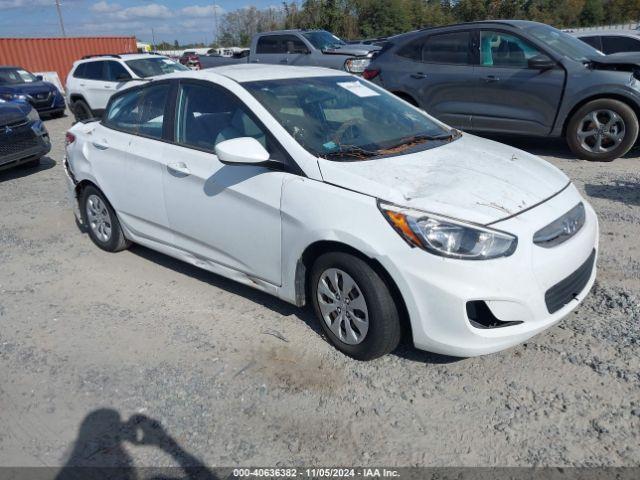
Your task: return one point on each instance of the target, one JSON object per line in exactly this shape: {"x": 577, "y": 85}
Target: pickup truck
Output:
{"x": 301, "y": 48}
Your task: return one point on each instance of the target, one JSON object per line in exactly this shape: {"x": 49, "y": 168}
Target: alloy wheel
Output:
{"x": 343, "y": 306}
{"x": 601, "y": 131}
{"x": 99, "y": 218}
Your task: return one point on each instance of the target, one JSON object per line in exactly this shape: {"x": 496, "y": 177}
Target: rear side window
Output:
{"x": 139, "y": 112}
{"x": 617, "y": 43}
{"x": 94, "y": 70}
{"x": 270, "y": 44}
{"x": 451, "y": 48}
{"x": 116, "y": 72}
{"x": 593, "y": 41}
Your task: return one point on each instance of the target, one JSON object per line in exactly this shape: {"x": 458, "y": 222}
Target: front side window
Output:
{"x": 150, "y": 67}
{"x": 498, "y": 49}
{"x": 619, "y": 43}
{"x": 342, "y": 118}
{"x": 140, "y": 111}
{"x": 293, "y": 44}
{"x": 208, "y": 115}
{"x": 448, "y": 48}
{"x": 116, "y": 72}
{"x": 15, "y": 76}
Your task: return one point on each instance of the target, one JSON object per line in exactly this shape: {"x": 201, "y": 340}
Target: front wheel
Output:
{"x": 602, "y": 130}
{"x": 354, "y": 306}
{"x": 101, "y": 221}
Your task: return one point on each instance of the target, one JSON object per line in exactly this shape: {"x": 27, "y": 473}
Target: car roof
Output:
{"x": 119, "y": 56}
{"x": 256, "y": 72}
{"x": 522, "y": 24}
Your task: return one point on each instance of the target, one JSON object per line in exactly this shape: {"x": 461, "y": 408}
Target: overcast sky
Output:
{"x": 184, "y": 20}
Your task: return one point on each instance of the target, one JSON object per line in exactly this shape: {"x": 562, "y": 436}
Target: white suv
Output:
{"x": 93, "y": 80}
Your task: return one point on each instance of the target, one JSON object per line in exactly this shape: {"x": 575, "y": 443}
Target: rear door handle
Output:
{"x": 179, "y": 167}
{"x": 419, "y": 76}
{"x": 491, "y": 79}
{"x": 99, "y": 146}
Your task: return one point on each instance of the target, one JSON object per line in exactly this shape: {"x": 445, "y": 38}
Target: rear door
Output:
{"x": 271, "y": 49}
{"x": 126, "y": 154}
{"x": 437, "y": 70}
{"x": 509, "y": 96}
{"x": 93, "y": 85}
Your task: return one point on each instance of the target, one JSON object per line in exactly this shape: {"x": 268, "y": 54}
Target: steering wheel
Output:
{"x": 344, "y": 128}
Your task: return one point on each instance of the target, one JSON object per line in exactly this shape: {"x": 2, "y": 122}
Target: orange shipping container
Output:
{"x": 58, "y": 54}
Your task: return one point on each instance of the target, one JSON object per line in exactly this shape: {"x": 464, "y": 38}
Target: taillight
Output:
{"x": 370, "y": 73}
{"x": 69, "y": 139}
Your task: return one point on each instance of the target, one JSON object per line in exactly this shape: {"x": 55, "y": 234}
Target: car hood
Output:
{"x": 12, "y": 112}
{"x": 354, "y": 50}
{"x": 617, "y": 61}
{"x": 28, "y": 88}
{"x": 471, "y": 179}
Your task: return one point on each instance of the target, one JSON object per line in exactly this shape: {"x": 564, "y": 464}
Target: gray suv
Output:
{"x": 517, "y": 77}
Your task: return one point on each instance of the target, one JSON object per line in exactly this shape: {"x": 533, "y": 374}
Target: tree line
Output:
{"x": 351, "y": 19}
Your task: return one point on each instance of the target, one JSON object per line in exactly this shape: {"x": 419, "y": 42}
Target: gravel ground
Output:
{"x": 96, "y": 348}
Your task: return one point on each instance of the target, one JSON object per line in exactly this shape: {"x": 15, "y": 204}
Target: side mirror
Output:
{"x": 123, "y": 77}
{"x": 242, "y": 151}
{"x": 541, "y": 62}
{"x": 39, "y": 78}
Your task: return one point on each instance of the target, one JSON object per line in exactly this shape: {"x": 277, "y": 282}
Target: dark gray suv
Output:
{"x": 517, "y": 77}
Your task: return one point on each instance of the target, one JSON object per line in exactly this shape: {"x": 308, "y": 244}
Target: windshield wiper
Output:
{"x": 414, "y": 140}
{"x": 356, "y": 153}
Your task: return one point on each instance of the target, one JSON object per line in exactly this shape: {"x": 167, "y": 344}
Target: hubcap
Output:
{"x": 343, "y": 306}
{"x": 99, "y": 219}
{"x": 601, "y": 131}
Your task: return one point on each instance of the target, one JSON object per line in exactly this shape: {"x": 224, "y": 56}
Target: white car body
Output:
{"x": 260, "y": 222}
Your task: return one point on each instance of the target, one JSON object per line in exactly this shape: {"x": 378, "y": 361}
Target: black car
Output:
{"x": 23, "y": 137}
{"x": 16, "y": 83}
{"x": 517, "y": 77}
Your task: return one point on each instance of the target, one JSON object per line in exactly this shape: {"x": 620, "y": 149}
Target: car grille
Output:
{"x": 15, "y": 138}
{"x": 562, "y": 293}
{"x": 41, "y": 99}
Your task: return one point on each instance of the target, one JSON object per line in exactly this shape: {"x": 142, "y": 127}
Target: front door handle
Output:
{"x": 179, "y": 167}
{"x": 99, "y": 146}
{"x": 491, "y": 79}
{"x": 419, "y": 76}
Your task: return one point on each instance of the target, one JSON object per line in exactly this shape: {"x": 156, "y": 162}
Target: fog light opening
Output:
{"x": 480, "y": 316}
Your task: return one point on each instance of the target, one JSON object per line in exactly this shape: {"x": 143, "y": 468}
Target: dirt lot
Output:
{"x": 89, "y": 339}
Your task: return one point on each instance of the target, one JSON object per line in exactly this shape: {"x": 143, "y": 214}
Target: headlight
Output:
{"x": 356, "y": 64}
{"x": 446, "y": 237}
{"x": 13, "y": 96}
{"x": 33, "y": 116}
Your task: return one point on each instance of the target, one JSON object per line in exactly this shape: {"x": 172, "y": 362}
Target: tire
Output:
{"x": 373, "y": 338}
{"x": 101, "y": 221}
{"x": 58, "y": 114}
{"x": 613, "y": 123}
{"x": 81, "y": 111}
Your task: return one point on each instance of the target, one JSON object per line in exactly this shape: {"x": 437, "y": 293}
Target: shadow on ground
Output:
{"x": 25, "y": 170}
{"x": 620, "y": 191}
{"x": 406, "y": 350}
{"x": 102, "y": 448}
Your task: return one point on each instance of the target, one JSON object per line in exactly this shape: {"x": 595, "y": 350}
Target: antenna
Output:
{"x": 60, "y": 18}
{"x": 215, "y": 23}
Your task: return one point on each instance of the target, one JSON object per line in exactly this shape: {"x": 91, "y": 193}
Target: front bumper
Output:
{"x": 436, "y": 290}
{"x": 37, "y": 148}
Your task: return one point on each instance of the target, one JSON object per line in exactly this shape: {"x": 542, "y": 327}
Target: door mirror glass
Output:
{"x": 39, "y": 78}
{"x": 242, "y": 151}
{"x": 541, "y": 62}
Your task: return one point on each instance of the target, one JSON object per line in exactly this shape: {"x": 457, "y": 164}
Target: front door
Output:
{"x": 510, "y": 96}
{"x": 225, "y": 214}
{"x": 126, "y": 157}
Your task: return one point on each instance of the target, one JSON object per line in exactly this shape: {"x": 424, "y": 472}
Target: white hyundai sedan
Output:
{"x": 319, "y": 187}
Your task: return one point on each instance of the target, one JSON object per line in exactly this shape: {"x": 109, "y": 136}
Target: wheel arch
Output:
{"x": 601, "y": 96}
{"x": 318, "y": 248}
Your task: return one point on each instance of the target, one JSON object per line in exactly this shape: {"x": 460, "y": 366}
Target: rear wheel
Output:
{"x": 602, "y": 130}
{"x": 101, "y": 221}
{"x": 81, "y": 111}
{"x": 354, "y": 306}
